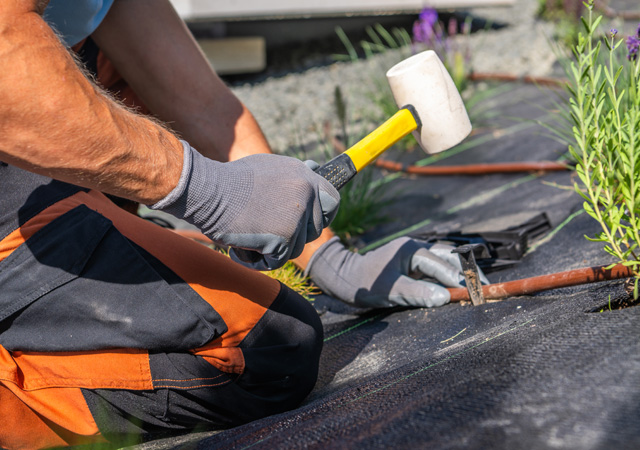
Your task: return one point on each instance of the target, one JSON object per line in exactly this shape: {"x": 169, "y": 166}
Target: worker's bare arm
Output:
{"x": 53, "y": 121}
{"x": 153, "y": 50}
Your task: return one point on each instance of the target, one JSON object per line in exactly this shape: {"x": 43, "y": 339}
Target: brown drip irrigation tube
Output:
{"x": 515, "y": 288}
{"x": 485, "y": 169}
{"x": 498, "y": 76}
{"x": 475, "y": 169}
{"x": 545, "y": 282}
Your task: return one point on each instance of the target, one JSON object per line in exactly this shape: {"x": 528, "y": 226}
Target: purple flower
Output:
{"x": 633, "y": 44}
{"x": 613, "y": 32}
{"x": 429, "y": 16}
{"x": 424, "y": 27}
{"x": 452, "y": 29}
{"x": 638, "y": 30}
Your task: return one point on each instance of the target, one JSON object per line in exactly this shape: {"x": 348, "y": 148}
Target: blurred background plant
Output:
{"x": 604, "y": 114}
{"x": 566, "y": 15}
{"x": 362, "y": 204}
{"x": 364, "y": 198}
{"x": 447, "y": 40}
{"x": 428, "y": 33}
{"x": 382, "y": 40}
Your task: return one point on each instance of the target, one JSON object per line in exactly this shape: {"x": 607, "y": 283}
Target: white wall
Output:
{"x": 226, "y": 9}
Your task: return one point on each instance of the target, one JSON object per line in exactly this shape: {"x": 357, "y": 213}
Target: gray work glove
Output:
{"x": 380, "y": 278}
{"x": 266, "y": 203}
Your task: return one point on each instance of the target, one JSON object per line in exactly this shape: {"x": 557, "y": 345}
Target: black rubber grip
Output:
{"x": 338, "y": 171}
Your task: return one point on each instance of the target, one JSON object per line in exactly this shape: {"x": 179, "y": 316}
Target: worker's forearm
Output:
{"x": 53, "y": 121}
{"x": 155, "y": 53}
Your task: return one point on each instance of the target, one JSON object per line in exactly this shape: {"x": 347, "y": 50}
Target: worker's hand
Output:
{"x": 381, "y": 278}
{"x": 267, "y": 203}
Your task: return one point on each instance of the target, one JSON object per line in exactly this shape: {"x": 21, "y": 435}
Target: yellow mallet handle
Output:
{"x": 344, "y": 166}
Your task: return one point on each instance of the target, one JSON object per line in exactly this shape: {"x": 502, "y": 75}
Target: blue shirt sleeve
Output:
{"x": 76, "y": 19}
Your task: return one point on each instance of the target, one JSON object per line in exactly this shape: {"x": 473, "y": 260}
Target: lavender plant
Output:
{"x": 428, "y": 32}
{"x": 604, "y": 107}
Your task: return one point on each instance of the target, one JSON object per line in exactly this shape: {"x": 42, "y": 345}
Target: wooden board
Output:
{"x": 235, "y": 55}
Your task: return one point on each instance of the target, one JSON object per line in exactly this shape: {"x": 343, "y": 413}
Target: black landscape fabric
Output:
{"x": 535, "y": 372}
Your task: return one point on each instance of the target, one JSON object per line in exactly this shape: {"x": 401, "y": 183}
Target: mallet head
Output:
{"x": 423, "y": 82}
{"x": 430, "y": 107}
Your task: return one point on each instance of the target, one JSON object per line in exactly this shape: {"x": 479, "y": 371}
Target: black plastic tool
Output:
{"x": 504, "y": 248}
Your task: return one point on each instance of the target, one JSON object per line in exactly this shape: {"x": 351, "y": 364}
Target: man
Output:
{"x": 111, "y": 327}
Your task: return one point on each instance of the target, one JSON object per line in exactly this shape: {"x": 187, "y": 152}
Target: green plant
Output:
{"x": 566, "y": 15}
{"x": 382, "y": 40}
{"x": 361, "y": 206}
{"x": 429, "y": 33}
{"x": 604, "y": 106}
{"x": 291, "y": 276}
{"x": 341, "y": 112}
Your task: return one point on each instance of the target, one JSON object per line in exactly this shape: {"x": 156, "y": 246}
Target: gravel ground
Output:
{"x": 292, "y": 109}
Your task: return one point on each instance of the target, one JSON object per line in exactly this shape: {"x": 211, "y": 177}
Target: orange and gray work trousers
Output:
{"x": 113, "y": 327}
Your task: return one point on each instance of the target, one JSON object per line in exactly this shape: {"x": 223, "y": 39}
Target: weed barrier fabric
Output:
{"x": 533, "y": 372}
{"x": 540, "y": 373}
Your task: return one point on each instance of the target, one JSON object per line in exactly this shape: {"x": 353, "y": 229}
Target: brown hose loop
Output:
{"x": 528, "y": 286}
{"x": 497, "y": 76}
{"x": 476, "y": 169}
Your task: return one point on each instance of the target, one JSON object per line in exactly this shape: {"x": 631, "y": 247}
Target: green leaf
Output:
{"x": 585, "y": 25}
{"x": 585, "y": 74}
{"x": 386, "y": 36}
{"x": 618, "y": 72}
{"x": 374, "y": 36}
{"x": 353, "y": 55}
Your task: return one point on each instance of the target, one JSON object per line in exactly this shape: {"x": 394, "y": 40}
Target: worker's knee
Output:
{"x": 281, "y": 357}
{"x": 282, "y": 354}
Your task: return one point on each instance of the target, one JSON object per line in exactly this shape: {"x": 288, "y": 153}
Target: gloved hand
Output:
{"x": 380, "y": 278}
{"x": 268, "y": 203}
